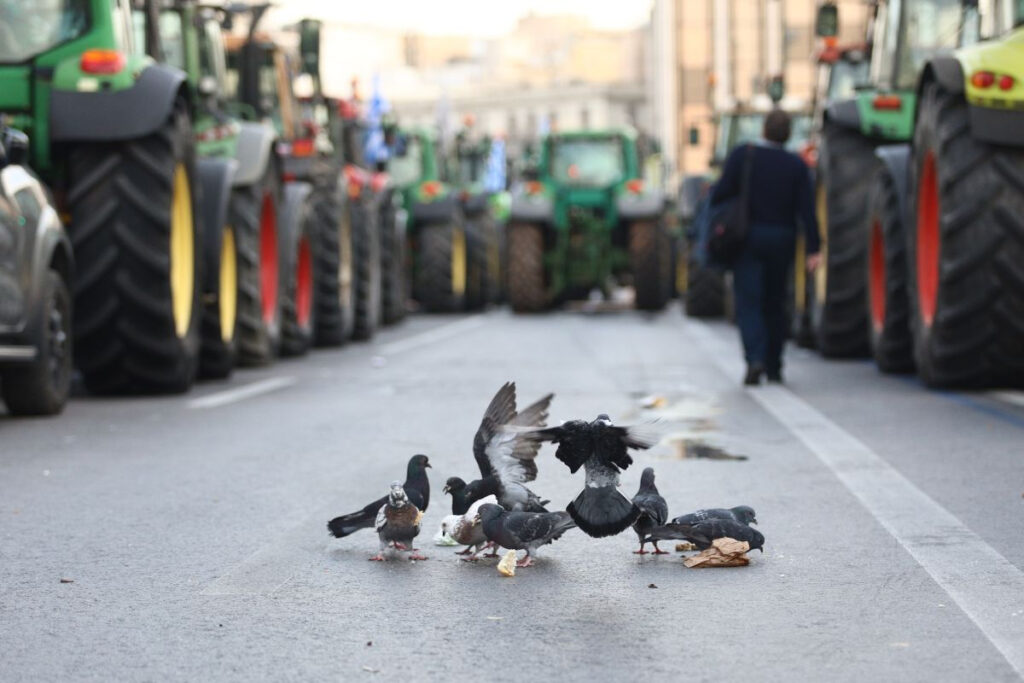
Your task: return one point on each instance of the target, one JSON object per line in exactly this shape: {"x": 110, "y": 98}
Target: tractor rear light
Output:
{"x": 887, "y": 103}
{"x": 534, "y": 187}
{"x": 1006, "y": 82}
{"x": 102, "y": 61}
{"x": 430, "y": 189}
{"x": 302, "y": 148}
{"x": 983, "y": 79}
{"x": 636, "y": 186}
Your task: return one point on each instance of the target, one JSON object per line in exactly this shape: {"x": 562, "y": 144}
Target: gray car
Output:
{"x": 36, "y": 266}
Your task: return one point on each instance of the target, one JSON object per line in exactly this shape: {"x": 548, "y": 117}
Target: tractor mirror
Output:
{"x": 694, "y": 136}
{"x": 309, "y": 46}
{"x": 827, "y": 23}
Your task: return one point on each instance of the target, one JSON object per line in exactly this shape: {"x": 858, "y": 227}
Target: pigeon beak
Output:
{"x": 761, "y": 549}
{"x": 446, "y": 489}
{"x": 428, "y": 465}
{"x": 753, "y": 521}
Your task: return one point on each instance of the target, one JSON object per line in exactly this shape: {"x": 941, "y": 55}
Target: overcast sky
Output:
{"x": 473, "y": 17}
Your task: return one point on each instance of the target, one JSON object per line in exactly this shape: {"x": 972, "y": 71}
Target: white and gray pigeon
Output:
{"x": 468, "y": 530}
{"x": 523, "y": 530}
{"x": 653, "y": 511}
{"x": 506, "y": 461}
{"x": 398, "y": 524}
{"x": 601, "y": 449}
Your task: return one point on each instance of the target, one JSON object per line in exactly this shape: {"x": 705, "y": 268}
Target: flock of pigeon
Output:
{"x": 505, "y": 448}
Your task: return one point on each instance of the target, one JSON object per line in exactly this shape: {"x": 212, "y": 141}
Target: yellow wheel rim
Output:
{"x": 458, "y": 262}
{"x": 821, "y": 274}
{"x": 345, "y": 259}
{"x": 183, "y": 265}
{"x": 228, "y": 285}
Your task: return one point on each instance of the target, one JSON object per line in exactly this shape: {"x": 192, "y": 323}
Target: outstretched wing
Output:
{"x": 512, "y": 457}
{"x": 573, "y": 438}
{"x": 612, "y": 443}
{"x": 501, "y": 410}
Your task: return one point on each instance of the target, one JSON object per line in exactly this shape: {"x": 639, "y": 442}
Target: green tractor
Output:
{"x": 111, "y": 132}
{"x": 485, "y": 211}
{"x": 435, "y": 225}
{"x": 586, "y": 220}
{"x": 944, "y": 265}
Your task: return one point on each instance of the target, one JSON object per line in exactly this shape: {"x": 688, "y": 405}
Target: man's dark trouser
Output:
{"x": 759, "y": 279}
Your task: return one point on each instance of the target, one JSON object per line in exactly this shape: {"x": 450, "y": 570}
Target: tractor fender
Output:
{"x": 636, "y": 207}
{"x": 215, "y": 179}
{"x": 293, "y": 199}
{"x": 442, "y": 210}
{"x": 531, "y": 209}
{"x": 253, "y": 153}
{"x": 945, "y": 70}
{"x": 896, "y": 160}
{"x": 844, "y": 113}
{"x": 106, "y": 116}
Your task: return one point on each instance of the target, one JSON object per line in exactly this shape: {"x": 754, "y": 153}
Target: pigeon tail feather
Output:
{"x": 351, "y": 523}
{"x": 602, "y": 511}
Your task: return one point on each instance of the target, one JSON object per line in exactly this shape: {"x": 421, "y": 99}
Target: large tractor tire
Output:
{"x": 367, "y": 280}
{"x": 41, "y": 387}
{"x": 253, "y": 211}
{"x": 394, "y": 289}
{"x": 966, "y": 251}
{"x": 440, "y": 273}
{"x": 839, "y": 310}
{"x": 651, "y": 262}
{"x": 705, "y": 291}
{"x": 334, "y": 299}
{"x": 476, "y": 264}
{"x": 137, "y": 241}
{"x": 887, "y": 300}
{"x": 527, "y": 291}
{"x": 220, "y": 314}
{"x": 297, "y": 274}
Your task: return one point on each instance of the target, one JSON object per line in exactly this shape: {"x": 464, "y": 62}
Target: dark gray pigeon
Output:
{"x": 743, "y": 514}
{"x": 702, "y": 533}
{"x": 523, "y": 530}
{"x": 416, "y": 486}
{"x": 506, "y": 461}
{"x": 653, "y": 511}
{"x": 601, "y": 449}
{"x": 398, "y": 524}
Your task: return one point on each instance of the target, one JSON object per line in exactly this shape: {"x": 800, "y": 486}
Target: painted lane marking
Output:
{"x": 241, "y": 393}
{"x": 986, "y": 586}
{"x": 431, "y": 336}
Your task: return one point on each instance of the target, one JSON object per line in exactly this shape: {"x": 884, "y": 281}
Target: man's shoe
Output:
{"x": 754, "y": 373}
{"x": 774, "y": 376}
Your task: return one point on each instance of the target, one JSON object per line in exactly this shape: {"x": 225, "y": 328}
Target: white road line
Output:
{"x": 1014, "y": 397}
{"x": 986, "y": 586}
{"x": 430, "y": 336}
{"x": 241, "y": 393}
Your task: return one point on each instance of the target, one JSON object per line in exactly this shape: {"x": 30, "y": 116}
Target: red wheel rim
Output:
{"x": 304, "y": 284}
{"x": 268, "y": 258}
{"x": 928, "y": 240}
{"x": 876, "y": 275}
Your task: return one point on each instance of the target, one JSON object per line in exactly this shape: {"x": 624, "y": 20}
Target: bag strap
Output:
{"x": 748, "y": 166}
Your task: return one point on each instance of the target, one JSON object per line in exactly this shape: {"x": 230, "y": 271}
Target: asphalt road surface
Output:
{"x": 183, "y": 538}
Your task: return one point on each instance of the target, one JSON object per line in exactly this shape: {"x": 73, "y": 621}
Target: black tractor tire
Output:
{"x": 651, "y": 264}
{"x": 218, "y": 349}
{"x": 476, "y": 264}
{"x": 886, "y": 275}
{"x": 966, "y": 251}
{"x": 394, "y": 289}
{"x": 526, "y": 286}
{"x": 253, "y": 211}
{"x": 840, "y": 318}
{"x": 298, "y": 314}
{"x": 130, "y": 220}
{"x": 334, "y": 298}
{"x": 705, "y": 291}
{"x": 440, "y": 273}
{"x": 366, "y": 262}
{"x": 41, "y": 387}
